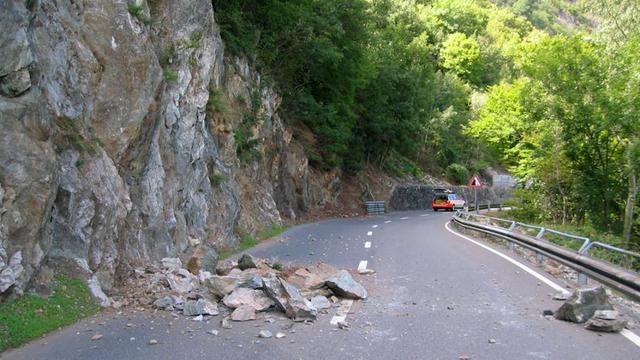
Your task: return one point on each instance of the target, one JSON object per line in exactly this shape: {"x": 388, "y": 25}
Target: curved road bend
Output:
{"x": 435, "y": 296}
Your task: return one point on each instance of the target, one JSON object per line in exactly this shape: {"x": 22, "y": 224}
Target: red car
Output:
{"x": 447, "y": 201}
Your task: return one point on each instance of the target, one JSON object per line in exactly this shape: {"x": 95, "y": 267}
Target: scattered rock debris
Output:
{"x": 240, "y": 291}
{"x": 583, "y": 304}
{"x": 591, "y": 306}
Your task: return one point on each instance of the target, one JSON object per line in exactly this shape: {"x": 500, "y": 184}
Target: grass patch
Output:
{"x": 137, "y": 11}
{"x": 71, "y": 136}
{"x": 30, "y": 316}
{"x": 247, "y": 241}
{"x": 170, "y": 74}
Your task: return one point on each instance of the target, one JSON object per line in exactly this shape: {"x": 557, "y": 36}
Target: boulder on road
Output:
{"x": 220, "y": 286}
{"x": 605, "y": 325}
{"x": 167, "y": 302}
{"x": 243, "y": 313}
{"x": 200, "y": 307}
{"x": 274, "y": 290}
{"x": 182, "y": 281}
{"x": 320, "y": 302}
{"x": 343, "y": 285}
{"x": 297, "y": 308}
{"x": 245, "y": 296}
{"x": 582, "y": 305}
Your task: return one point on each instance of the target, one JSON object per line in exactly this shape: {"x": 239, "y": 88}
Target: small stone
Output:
{"x": 153, "y": 342}
{"x": 464, "y": 357}
{"x": 343, "y": 325}
{"x": 492, "y": 341}
{"x": 225, "y": 323}
{"x": 247, "y": 262}
{"x": 561, "y": 296}
{"x": 132, "y": 339}
{"x": 96, "y": 337}
{"x": 280, "y": 335}
{"x": 129, "y": 325}
{"x": 547, "y": 312}
{"x": 265, "y": 334}
{"x": 197, "y": 318}
{"x": 213, "y": 332}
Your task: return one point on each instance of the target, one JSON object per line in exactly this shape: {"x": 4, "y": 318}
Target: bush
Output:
{"x": 457, "y": 173}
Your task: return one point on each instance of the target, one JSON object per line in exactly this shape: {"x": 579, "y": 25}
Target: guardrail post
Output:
{"x": 583, "y": 279}
{"x": 540, "y": 234}
{"x": 539, "y": 258}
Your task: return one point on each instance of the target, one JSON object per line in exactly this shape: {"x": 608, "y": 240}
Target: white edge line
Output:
{"x": 367, "y": 244}
{"x": 362, "y": 265}
{"x": 631, "y": 336}
{"x": 516, "y": 263}
{"x": 369, "y": 233}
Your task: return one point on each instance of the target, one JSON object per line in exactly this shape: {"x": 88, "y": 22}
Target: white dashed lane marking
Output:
{"x": 424, "y": 215}
{"x": 404, "y": 218}
{"x": 367, "y": 244}
{"x": 370, "y": 233}
{"x": 374, "y": 226}
{"x": 387, "y": 222}
{"x": 343, "y": 310}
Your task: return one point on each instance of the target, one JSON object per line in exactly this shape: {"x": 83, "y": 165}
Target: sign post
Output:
{"x": 475, "y": 183}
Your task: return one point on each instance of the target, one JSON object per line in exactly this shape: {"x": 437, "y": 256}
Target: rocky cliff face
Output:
{"x": 128, "y": 135}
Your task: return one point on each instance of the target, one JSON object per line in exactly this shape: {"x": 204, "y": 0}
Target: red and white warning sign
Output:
{"x": 475, "y": 182}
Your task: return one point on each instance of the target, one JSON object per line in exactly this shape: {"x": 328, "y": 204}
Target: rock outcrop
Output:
{"x": 119, "y": 146}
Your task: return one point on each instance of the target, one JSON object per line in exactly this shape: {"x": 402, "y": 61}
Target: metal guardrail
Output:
{"x": 619, "y": 278}
{"x": 375, "y": 207}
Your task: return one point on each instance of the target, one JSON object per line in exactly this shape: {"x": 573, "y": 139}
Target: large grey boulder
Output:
{"x": 200, "y": 307}
{"x": 245, "y": 296}
{"x": 605, "y": 325}
{"x": 343, "y": 285}
{"x": 168, "y": 302}
{"x": 243, "y": 313}
{"x": 582, "y": 304}
{"x": 288, "y": 299}
{"x": 273, "y": 288}
{"x": 182, "y": 281}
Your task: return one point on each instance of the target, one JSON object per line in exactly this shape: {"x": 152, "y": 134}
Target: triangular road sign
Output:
{"x": 475, "y": 182}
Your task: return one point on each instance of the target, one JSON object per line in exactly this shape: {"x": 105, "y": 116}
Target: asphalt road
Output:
{"x": 435, "y": 296}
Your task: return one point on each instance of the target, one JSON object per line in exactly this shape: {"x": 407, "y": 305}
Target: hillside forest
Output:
{"x": 548, "y": 91}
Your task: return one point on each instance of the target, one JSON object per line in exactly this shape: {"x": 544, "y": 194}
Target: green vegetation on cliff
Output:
{"x": 546, "y": 89}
